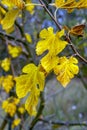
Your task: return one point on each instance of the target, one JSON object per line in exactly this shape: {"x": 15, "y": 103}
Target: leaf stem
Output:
{"x": 33, "y": 4}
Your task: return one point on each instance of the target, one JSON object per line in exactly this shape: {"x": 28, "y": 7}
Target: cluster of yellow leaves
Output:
{"x": 52, "y": 43}
{"x": 14, "y": 51}
{"x": 5, "y": 64}
{"x": 10, "y": 105}
{"x": 16, "y": 122}
{"x": 7, "y": 82}
{"x": 64, "y": 68}
{"x": 70, "y": 5}
{"x": 32, "y": 83}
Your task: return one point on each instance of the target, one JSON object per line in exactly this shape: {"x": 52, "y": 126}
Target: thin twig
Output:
{"x": 33, "y": 4}
{"x": 11, "y": 37}
{"x": 5, "y": 121}
{"x": 62, "y": 123}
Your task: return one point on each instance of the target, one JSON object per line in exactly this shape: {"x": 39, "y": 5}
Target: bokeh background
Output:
{"x": 61, "y": 104}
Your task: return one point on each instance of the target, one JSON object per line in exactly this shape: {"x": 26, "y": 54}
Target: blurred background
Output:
{"x": 69, "y": 104}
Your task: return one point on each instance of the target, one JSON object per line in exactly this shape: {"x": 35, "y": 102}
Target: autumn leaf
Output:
{"x": 10, "y": 30}
{"x": 31, "y": 82}
{"x": 5, "y": 64}
{"x": 51, "y": 42}
{"x": 32, "y": 102}
{"x": 2, "y": 13}
{"x": 48, "y": 62}
{"x": 31, "y": 7}
{"x": 82, "y": 4}
{"x": 77, "y": 30}
{"x": 11, "y": 3}
{"x": 28, "y": 37}
{"x": 66, "y": 69}
{"x": 9, "y": 18}
{"x": 70, "y": 5}
{"x": 14, "y": 51}
{"x": 16, "y": 122}
{"x": 10, "y": 105}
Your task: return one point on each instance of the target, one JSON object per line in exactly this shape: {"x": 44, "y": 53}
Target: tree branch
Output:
{"x": 62, "y": 123}
{"x": 5, "y": 121}
{"x": 2, "y": 34}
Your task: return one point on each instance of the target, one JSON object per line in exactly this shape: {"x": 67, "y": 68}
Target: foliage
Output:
{"x": 30, "y": 59}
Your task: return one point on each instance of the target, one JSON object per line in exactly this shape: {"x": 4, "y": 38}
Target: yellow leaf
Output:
{"x": 32, "y": 102}
{"x": 46, "y": 36}
{"x": 68, "y": 4}
{"x": 5, "y": 64}
{"x": 2, "y": 10}
{"x": 82, "y": 4}
{"x": 16, "y": 122}
{"x": 10, "y": 30}
{"x": 23, "y": 86}
{"x": 49, "y": 62}
{"x": 34, "y": 78}
{"x": 51, "y": 42}
{"x": 28, "y": 68}
{"x": 28, "y": 37}
{"x": 31, "y": 82}
{"x": 9, "y": 18}
{"x": 29, "y": 8}
{"x": 11, "y": 3}
{"x": 8, "y": 83}
{"x": 2, "y": 13}
{"x": 46, "y": 33}
{"x": 14, "y": 51}
{"x": 66, "y": 69}
{"x": 71, "y": 4}
{"x": 7, "y": 3}
{"x": 21, "y": 109}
